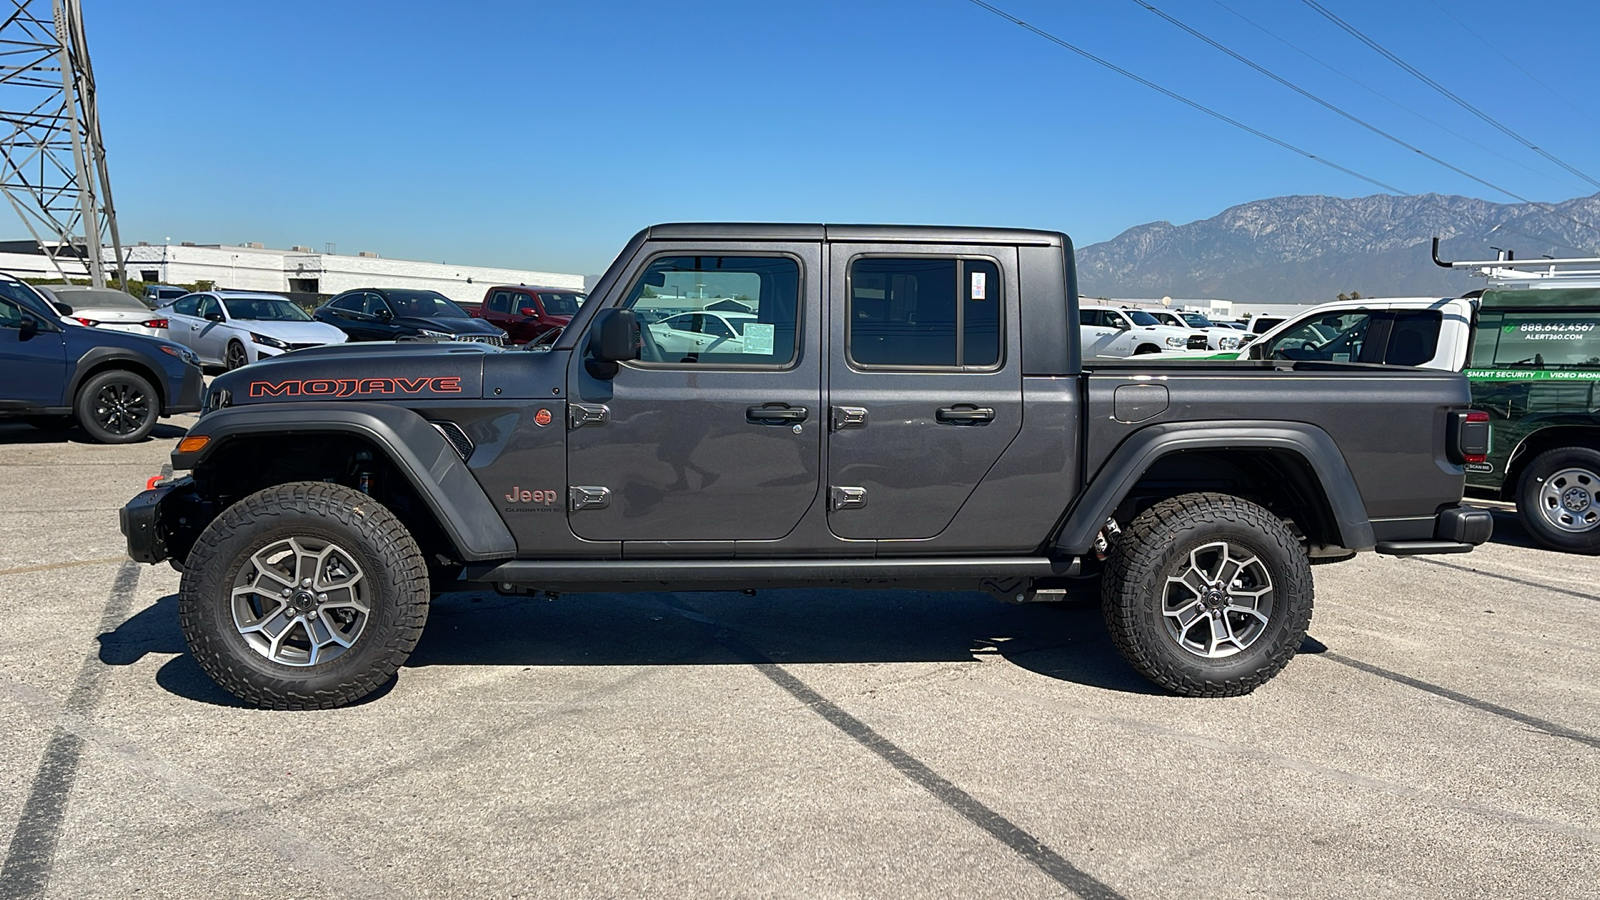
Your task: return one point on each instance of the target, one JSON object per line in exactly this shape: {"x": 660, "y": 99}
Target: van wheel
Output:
{"x": 1146, "y": 350}
{"x": 1558, "y": 497}
{"x": 117, "y": 407}
{"x": 307, "y": 595}
{"x": 1207, "y": 595}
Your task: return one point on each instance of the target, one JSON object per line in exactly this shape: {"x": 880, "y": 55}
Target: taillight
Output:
{"x": 1468, "y": 437}
{"x": 82, "y": 321}
{"x": 154, "y": 323}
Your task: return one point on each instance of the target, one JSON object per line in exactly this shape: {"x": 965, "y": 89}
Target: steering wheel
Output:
{"x": 1308, "y": 347}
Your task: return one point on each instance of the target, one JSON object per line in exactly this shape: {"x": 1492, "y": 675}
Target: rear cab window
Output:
{"x": 1521, "y": 334}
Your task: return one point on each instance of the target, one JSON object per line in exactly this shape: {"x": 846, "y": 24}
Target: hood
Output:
{"x": 378, "y": 370}
{"x": 293, "y": 332}
{"x": 449, "y": 324}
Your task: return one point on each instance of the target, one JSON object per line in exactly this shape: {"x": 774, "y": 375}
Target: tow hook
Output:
{"x": 1102, "y": 541}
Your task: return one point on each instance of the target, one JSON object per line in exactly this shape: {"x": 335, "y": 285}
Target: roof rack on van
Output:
{"x": 1508, "y": 260}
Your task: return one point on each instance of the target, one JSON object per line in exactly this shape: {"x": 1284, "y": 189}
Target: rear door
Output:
{"x": 696, "y": 442}
{"x": 924, "y": 386}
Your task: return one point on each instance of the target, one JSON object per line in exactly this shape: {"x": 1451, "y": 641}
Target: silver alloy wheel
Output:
{"x": 300, "y": 601}
{"x": 1220, "y": 603}
{"x": 237, "y": 357}
{"x": 1570, "y": 500}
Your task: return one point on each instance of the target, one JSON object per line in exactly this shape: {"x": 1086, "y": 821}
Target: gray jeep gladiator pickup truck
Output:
{"x": 747, "y": 406}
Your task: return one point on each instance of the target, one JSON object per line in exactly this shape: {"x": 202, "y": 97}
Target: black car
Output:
{"x": 113, "y": 384}
{"x": 393, "y": 314}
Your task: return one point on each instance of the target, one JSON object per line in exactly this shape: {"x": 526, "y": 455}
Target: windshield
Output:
{"x": 264, "y": 309}
{"x": 1140, "y": 317}
{"x": 425, "y": 305}
{"x": 1197, "y": 320}
{"x": 561, "y": 304}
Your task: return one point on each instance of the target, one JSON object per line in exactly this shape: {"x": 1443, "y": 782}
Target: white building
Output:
{"x": 257, "y": 268}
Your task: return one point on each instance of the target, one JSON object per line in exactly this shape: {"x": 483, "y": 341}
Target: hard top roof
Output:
{"x": 777, "y": 231}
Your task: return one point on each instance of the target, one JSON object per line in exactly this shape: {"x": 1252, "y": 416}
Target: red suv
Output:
{"x": 528, "y": 313}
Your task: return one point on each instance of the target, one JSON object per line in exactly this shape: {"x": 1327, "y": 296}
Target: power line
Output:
{"x": 1518, "y": 66}
{"x": 1185, "y": 100}
{"x": 1379, "y": 94}
{"x": 1414, "y": 72}
{"x": 1353, "y": 118}
{"x": 1329, "y": 106}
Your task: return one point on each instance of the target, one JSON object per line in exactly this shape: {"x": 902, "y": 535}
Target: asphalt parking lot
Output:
{"x": 1439, "y": 736}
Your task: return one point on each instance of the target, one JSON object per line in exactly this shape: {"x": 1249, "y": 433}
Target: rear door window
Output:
{"x": 924, "y": 312}
{"x": 1415, "y": 337}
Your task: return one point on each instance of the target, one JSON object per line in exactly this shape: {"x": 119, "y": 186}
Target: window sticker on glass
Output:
{"x": 980, "y": 285}
{"x": 758, "y": 337}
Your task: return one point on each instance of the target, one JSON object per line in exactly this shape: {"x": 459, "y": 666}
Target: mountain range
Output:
{"x": 1306, "y": 249}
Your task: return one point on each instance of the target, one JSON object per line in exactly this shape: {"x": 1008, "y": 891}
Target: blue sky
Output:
{"x": 542, "y": 134}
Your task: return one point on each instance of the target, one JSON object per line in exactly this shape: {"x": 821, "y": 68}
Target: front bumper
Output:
{"x": 1455, "y": 530}
{"x": 158, "y": 524}
{"x": 189, "y": 392}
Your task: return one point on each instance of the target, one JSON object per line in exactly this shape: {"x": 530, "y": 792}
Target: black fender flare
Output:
{"x": 432, "y": 466}
{"x": 1128, "y": 463}
{"x": 122, "y": 358}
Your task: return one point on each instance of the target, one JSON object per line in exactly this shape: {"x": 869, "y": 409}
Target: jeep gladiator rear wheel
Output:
{"x": 1207, "y": 595}
{"x": 303, "y": 596}
{"x": 1558, "y": 498}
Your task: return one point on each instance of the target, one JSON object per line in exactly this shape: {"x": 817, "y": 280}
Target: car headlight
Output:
{"x": 1176, "y": 342}
{"x": 184, "y": 353}
{"x": 1227, "y": 343}
{"x": 269, "y": 341}
{"x": 435, "y": 335}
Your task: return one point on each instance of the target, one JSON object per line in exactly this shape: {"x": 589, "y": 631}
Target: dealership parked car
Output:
{"x": 114, "y": 385}
{"x": 394, "y": 314}
{"x": 106, "y": 308}
{"x": 709, "y": 332}
{"x": 162, "y": 294}
{"x": 236, "y": 328}
{"x": 528, "y": 313}
{"x": 1107, "y": 331}
{"x": 1218, "y": 337}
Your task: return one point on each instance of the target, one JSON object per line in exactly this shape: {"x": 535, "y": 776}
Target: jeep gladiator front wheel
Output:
{"x": 1207, "y": 595}
{"x": 303, "y": 596}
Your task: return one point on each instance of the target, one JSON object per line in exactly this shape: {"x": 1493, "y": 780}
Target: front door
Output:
{"x": 32, "y": 370}
{"x": 705, "y": 441}
{"x": 925, "y": 386}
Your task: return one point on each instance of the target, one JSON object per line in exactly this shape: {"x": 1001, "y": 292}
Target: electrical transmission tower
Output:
{"x": 54, "y": 162}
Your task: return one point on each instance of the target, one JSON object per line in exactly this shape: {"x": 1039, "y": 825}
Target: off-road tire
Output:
{"x": 90, "y": 406}
{"x": 1156, "y": 546}
{"x": 377, "y": 541}
{"x": 1530, "y": 487}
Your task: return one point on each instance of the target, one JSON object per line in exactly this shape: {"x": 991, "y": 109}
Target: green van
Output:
{"x": 1534, "y": 363}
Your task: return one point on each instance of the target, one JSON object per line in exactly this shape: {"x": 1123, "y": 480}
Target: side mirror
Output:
{"x": 62, "y": 308}
{"x": 1121, "y": 324}
{"x": 384, "y": 315}
{"x": 613, "y": 338}
{"x": 529, "y": 311}
{"x": 1247, "y": 338}
{"x": 213, "y": 317}
{"x": 28, "y": 329}
{"x": 1258, "y": 351}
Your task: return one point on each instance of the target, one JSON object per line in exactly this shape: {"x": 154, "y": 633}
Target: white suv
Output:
{"x": 1113, "y": 332}
{"x": 1218, "y": 337}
